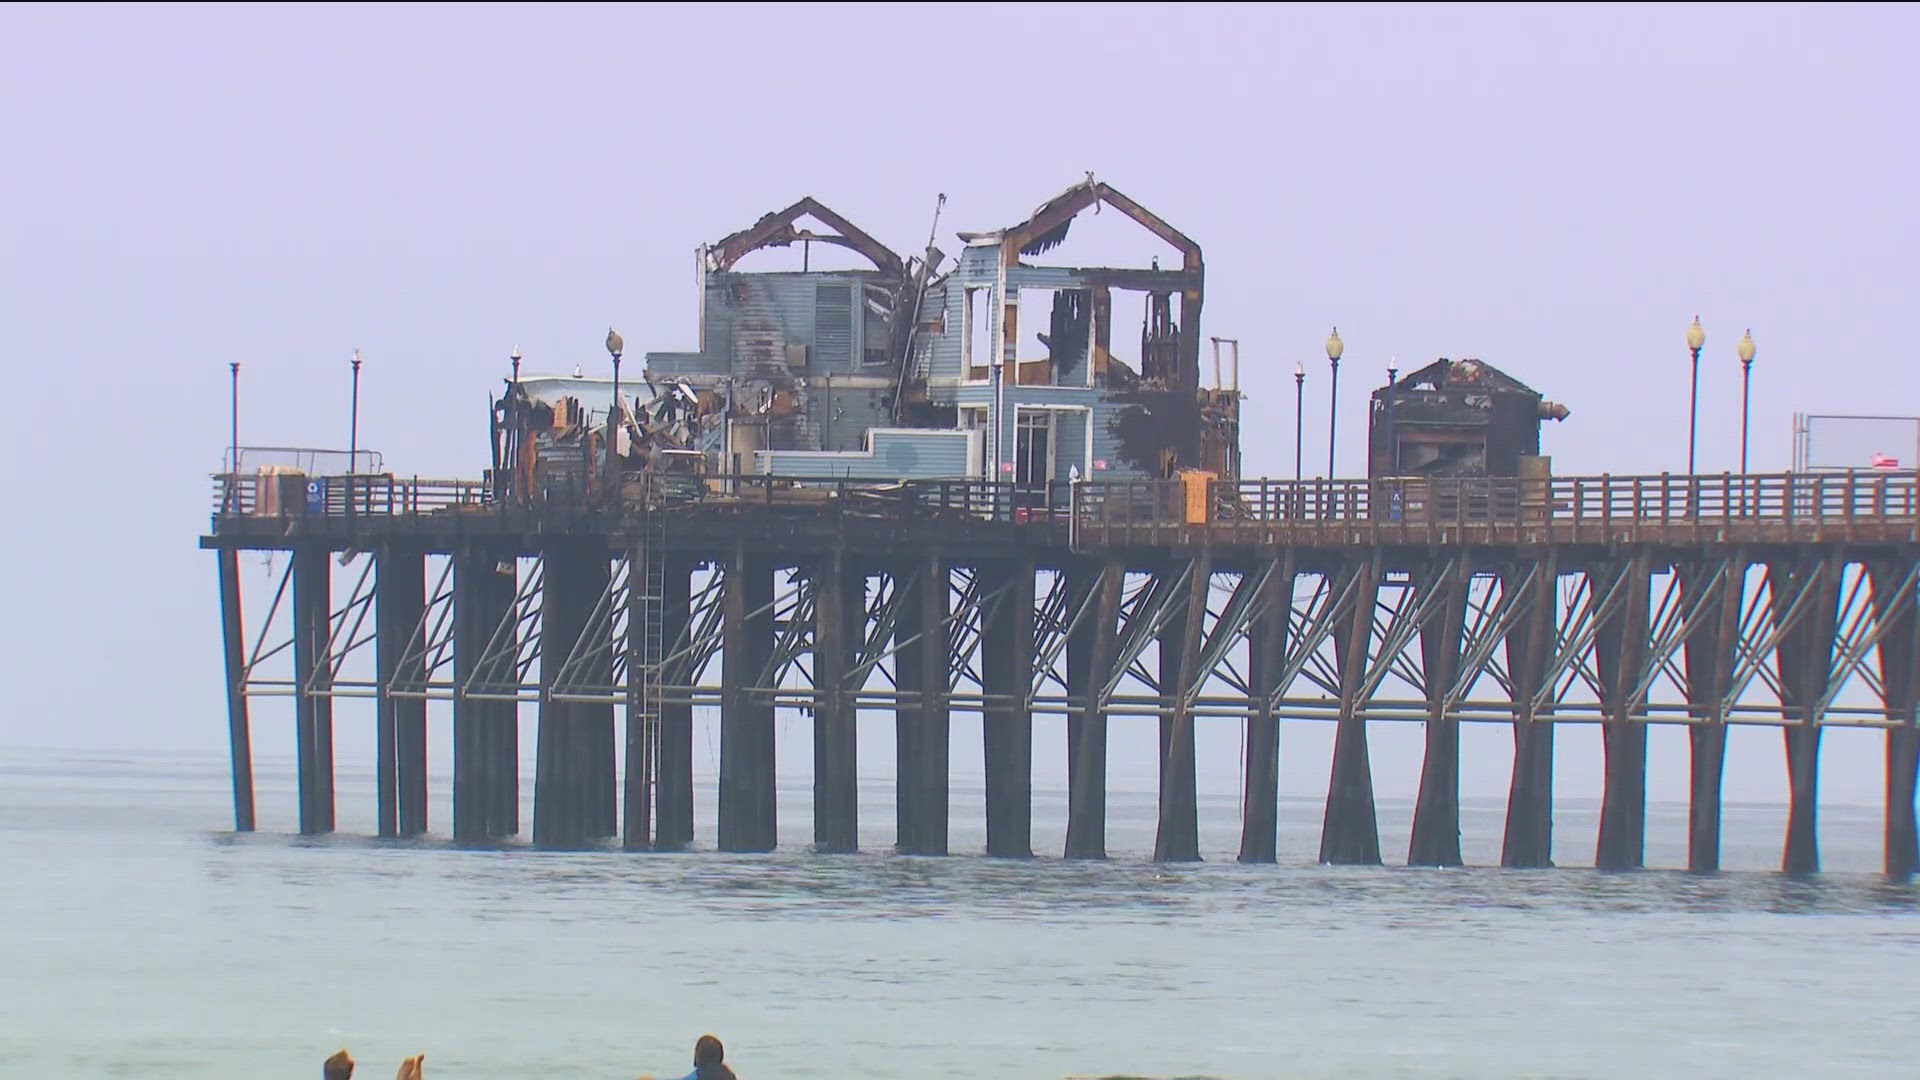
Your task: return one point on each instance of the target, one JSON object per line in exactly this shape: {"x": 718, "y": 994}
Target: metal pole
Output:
{"x": 1333, "y": 413}
{"x": 1299, "y": 412}
{"x": 353, "y": 431}
{"x": 1693, "y": 411}
{"x": 1746, "y": 380}
{"x": 233, "y": 441}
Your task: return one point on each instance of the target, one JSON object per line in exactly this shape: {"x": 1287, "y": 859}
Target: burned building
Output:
{"x": 1457, "y": 418}
{"x": 990, "y": 367}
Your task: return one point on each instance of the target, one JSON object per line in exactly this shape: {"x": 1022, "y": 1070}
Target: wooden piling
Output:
{"x": 1805, "y": 659}
{"x": 1436, "y": 812}
{"x": 313, "y": 709}
{"x": 747, "y": 816}
{"x": 1090, "y": 653}
{"x": 1899, "y": 659}
{"x": 1528, "y": 840}
{"x": 673, "y": 798}
{"x": 1177, "y": 839}
{"x": 1709, "y": 658}
{"x": 239, "y": 728}
{"x": 1266, "y": 657}
{"x": 839, "y": 612}
{"x": 399, "y": 598}
{"x": 1006, "y": 668}
{"x": 1620, "y": 654}
{"x": 1351, "y": 832}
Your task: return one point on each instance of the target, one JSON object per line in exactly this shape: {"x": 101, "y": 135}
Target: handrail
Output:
{"x": 1605, "y": 508}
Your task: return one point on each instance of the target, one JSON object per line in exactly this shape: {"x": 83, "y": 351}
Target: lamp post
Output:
{"x": 1745, "y": 351}
{"x": 353, "y": 432}
{"x": 615, "y": 346}
{"x": 1334, "y": 348}
{"x": 1299, "y": 412}
{"x": 233, "y": 439}
{"x": 1696, "y": 337}
{"x": 1393, "y": 452}
{"x": 515, "y": 357}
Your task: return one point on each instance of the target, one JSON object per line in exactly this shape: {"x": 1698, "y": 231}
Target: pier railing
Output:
{"x": 1663, "y": 508}
{"x": 1666, "y": 507}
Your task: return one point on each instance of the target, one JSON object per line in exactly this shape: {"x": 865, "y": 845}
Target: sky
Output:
{"x": 1557, "y": 190}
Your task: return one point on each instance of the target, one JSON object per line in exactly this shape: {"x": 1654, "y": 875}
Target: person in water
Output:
{"x": 340, "y": 1067}
{"x": 709, "y": 1061}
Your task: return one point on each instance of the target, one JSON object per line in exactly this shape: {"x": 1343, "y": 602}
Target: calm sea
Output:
{"x": 141, "y": 939}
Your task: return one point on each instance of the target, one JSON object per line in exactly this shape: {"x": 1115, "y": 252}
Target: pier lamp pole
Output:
{"x": 353, "y": 432}
{"x": 1393, "y": 453}
{"x": 615, "y": 346}
{"x": 1299, "y": 411}
{"x": 1746, "y": 351}
{"x": 1334, "y": 348}
{"x": 515, "y": 357}
{"x": 233, "y": 440}
{"x": 1696, "y": 337}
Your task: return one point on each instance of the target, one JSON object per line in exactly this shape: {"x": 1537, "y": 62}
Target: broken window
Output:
{"x": 979, "y": 336}
{"x": 1056, "y": 347}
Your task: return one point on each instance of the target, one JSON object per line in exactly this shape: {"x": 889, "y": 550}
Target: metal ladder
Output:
{"x": 650, "y": 579}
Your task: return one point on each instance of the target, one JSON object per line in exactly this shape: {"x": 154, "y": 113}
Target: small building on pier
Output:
{"x": 1457, "y": 419}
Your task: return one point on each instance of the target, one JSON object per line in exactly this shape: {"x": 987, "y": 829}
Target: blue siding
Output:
{"x": 895, "y": 455}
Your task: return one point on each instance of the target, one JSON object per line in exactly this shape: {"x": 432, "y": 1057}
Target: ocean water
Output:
{"x": 140, "y": 938}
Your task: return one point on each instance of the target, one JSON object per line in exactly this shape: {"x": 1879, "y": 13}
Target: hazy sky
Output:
{"x": 1556, "y": 190}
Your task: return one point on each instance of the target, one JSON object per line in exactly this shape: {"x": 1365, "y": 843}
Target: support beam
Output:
{"x": 597, "y": 748}
{"x": 1006, "y": 668}
{"x": 1436, "y": 813}
{"x": 313, "y": 713}
{"x": 1351, "y": 833}
{"x": 673, "y": 802}
{"x": 747, "y": 818}
{"x": 926, "y": 616}
{"x": 1621, "y": 656}
{"x": 1178, "y": 837}
{"x": 239, "y": 728}
{"x": 1709, "y": 657}
{"x": 482, "y": 598}
{"x": 1529, "y": 833}
{"x": 400, "y": 597}
{"x": 1090, "y": 651}
{"x": 561, "y": 793}
{"x": 839, "y": 614}
{"x": 1266, "y": 656}
{"x": 1899, "y": 657}
{"x": 1804, "y": 655}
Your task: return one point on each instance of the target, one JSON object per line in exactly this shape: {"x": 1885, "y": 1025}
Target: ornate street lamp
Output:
{"x": 1696, "y": 337}
{"x": 1334, "y": 348}
{"x": 1745, "y": 351}
{"x": 1299, "y": 411}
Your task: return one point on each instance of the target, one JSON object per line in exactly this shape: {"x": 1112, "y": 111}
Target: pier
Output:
{"x": 1782, "y": 600}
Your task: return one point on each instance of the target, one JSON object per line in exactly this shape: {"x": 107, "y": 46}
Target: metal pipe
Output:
{"x": 1693, "y": 409}
{"x": 1333, "y": 412}
{"x": 1299, "y": 413}
{"x": 233, "y": 443}
{"x": 353, "y": 432}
